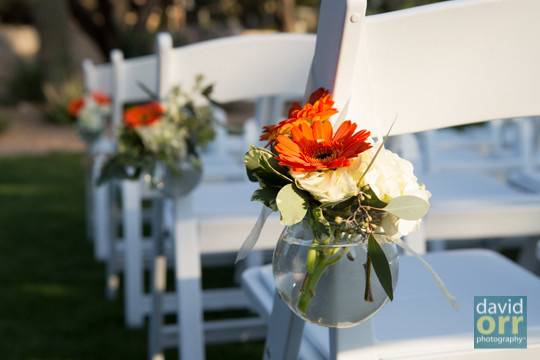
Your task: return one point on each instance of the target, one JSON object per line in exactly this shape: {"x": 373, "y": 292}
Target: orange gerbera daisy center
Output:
{"x": 324, "y": 153}
{"x": 315, "y": 148}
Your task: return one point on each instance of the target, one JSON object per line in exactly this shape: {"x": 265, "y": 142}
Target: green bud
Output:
{"x": 311, "y": 259}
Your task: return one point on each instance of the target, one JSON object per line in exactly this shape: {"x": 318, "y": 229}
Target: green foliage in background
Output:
{"x": 4, "y": 123}
{"x": 25, "y": 83}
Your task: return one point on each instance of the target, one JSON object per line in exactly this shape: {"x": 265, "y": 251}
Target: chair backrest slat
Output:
{"x": 97, "y": 77}
{"x": 435, "y": 66}
{"x": 246, "y": 67}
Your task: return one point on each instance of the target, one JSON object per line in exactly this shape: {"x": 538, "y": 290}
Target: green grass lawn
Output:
{"x": 52, "y": 303}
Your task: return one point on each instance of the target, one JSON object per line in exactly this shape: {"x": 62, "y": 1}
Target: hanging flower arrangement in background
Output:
{"x": 92, "y": 113}
{"x": 155, "y": 137}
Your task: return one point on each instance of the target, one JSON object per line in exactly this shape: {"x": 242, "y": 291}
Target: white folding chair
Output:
{"x": 132, "y": 253}
{"x": 216, "y": 217}
{"x": 432, "y": 67}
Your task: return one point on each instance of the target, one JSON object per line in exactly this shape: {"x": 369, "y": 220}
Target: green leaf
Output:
{"x": 267, "y": 196}
{"x": 407, "y": 207}
{"x": 261, "y": 166}
{"x": 207, "y": 91}
{"x": 373, "y": 200}
{"x": 381, "y": 266}
{"x": 319, "y": 223}
{"x": 291, "y": 205}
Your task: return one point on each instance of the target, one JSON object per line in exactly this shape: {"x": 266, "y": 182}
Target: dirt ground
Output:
{"x": 28, "y": 133}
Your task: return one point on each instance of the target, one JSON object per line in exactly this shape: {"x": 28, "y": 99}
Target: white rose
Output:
{"x": 390, "y": 176}
{"x": 91, "y": 118}
{"x": 328, "y": 186}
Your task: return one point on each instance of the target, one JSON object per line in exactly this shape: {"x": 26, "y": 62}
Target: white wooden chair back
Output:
{"x": 97, "y": 77}
{"x": 244, "y": 67}
{"x": 241, "y": 67}
{"x": 434, "y": 66}
{"x": 451, "y": 63}
{"x": 129, "y": 77}
{"x": 250, "y": 73}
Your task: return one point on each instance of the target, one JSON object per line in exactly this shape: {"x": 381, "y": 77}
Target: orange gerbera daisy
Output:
{"x": 313, "y": 147}
{"x": 75, "y": 105}
{"x": 318, "y": 108}
{"x": 143, "y": 115}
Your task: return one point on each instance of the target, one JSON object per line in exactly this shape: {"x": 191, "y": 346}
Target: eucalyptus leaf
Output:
{"x": 381, "y": 266}
{"x": 407, "y": 207}
{"x": 291, "y": 205}
{"x": 262, "y": 167}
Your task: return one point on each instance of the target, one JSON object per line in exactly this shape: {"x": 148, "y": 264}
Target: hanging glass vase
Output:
{"x": 332, "y": 284}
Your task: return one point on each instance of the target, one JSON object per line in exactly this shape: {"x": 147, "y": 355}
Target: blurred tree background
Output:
{"x": 42, "y": 43}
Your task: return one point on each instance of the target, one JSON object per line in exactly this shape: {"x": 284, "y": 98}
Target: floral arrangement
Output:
{"x": 156, "y": 135}
{"x": 343, "y": 185}
{"x": 91, "y": 113}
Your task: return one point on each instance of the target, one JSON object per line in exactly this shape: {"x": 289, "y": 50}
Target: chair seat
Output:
{"x": 419, "y": 312}
{"x": 225, "y": 216}
{"x": 488, "y": 207}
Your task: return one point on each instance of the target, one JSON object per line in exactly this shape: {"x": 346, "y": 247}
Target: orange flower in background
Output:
{"x": 314, "y": 147}
{"x": 75, "y": 105}
{"x": 101, "y": 98}
{"x": 318, "y": 108}
{"x": 143, "y": 115}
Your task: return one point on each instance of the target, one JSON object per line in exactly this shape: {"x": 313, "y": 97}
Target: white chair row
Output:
{"x": 435, "y": 66}
{"x": 213, "y": 219}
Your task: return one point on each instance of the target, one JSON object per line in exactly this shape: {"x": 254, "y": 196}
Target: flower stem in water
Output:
{"x": 368, "y": 295}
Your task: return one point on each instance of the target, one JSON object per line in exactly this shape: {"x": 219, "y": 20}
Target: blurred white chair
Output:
{"x": 446, "y": 58}
{"x": 496, "y": 147}
{"x": 217, "y": 217}
{"x": 132, "y": 253}
{"x": 499, "y": 207}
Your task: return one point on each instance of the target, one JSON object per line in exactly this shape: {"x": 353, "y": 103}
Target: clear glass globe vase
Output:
{"x": 176, "y": 182}
{"x": 329, "y": 284}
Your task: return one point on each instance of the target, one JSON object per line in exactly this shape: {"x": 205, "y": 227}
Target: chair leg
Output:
{"x": 342, "y": 340}
{"x": 102, "y": 217}
{"x": 284, "y": 335}
{"x": 188, "y": 281}
{"x": 89, "y": 200}
{"x": 133, "y": 257}
{"x": 112, "y": 280}
{"x": 159, "y": 284}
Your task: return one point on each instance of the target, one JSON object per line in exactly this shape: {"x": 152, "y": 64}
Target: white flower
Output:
{"x": 166, "y": 138}
{"x": 390, "y": 176}
{"x": 328, "y": 186}
{"x": 92, "y": 117}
